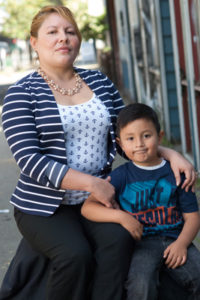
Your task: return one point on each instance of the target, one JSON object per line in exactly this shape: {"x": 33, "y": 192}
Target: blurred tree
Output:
{"x": 91, "y": 27}
{"x": 19, "y": 16}
{"x": 95, "y": 27}
{"x": 20, "y": 13}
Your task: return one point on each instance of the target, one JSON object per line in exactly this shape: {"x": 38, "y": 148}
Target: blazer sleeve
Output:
{"x": 19, "y": 127}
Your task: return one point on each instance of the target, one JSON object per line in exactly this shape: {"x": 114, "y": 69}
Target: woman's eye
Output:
{"x": 52, "y": 32}
{"x": 70, "y": 32}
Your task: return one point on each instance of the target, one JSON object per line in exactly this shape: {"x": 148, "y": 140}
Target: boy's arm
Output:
{"x": 176, "y": 253}
{"x": 96, "y": 211}
{"x": 190, "y": 228}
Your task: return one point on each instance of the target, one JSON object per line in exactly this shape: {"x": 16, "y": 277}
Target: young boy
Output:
{"x": 161, "y": 217}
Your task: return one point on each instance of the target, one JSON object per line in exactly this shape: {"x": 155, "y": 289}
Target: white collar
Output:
{"x": 163, "y": 162}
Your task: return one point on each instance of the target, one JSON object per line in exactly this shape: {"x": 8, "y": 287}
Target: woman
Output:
{"x": 59, "y": 122}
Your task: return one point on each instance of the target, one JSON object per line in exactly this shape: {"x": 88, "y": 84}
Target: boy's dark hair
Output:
{"x": 136, "y": 111}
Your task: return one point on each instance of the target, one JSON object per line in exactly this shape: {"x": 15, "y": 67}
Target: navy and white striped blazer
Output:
{"x": 34, "y": 132}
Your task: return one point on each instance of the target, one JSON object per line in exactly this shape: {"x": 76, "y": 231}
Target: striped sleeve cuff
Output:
{"x": 55, "y": 173}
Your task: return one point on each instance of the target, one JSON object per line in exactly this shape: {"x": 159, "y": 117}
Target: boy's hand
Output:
{"x": 175, "y": 255}
{"x": 134, "y": 227}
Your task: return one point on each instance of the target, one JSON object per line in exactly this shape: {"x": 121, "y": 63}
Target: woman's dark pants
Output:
{"x": 84, "y": 260}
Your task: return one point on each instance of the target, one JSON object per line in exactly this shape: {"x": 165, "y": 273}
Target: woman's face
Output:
{"x": 57, "y": 43}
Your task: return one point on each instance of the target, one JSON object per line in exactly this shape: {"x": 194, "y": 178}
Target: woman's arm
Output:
{"x": 24, "y": 138}
{"x": 99, "y": 188}
{"x": 179, "y": 165}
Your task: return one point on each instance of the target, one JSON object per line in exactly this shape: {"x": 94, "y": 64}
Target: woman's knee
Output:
{"x": 82, "y": 256}
{"x": 117, "y": 236}
{"x": 74, "y": 258}
{"x": 113, "y": 243}
{"x": 122, "y": 243}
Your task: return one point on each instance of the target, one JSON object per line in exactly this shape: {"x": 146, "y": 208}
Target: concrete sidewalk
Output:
{"x": 10, "y": 235}
{"x": 10, "y": 76}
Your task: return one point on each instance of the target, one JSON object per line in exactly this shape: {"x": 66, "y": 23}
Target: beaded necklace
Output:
{"x": 56, "y": 87}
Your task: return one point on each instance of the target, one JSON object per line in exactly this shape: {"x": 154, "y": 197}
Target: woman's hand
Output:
{"x": 104, "y": 192}
{"x": 180, "y": 165}
{"x": 99, "y": 188}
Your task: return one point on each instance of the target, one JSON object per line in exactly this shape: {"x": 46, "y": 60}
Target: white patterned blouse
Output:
{"x": 86, "y": 128}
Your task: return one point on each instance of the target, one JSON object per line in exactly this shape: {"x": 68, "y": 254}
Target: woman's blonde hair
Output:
{"x": 46, "y": 11}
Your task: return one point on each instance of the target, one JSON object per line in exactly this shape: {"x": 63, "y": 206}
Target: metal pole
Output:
{"x": 190, "y": 80}
{"x": 140, "y": 89}
{"x": 145, "y": 54}
{"x": 178, "y": 77}
{"x": 162, "y": 72}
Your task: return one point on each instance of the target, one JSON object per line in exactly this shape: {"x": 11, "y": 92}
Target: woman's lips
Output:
{"x": 63, "y": 49}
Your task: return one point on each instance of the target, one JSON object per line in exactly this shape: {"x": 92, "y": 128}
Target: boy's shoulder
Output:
{"x": 121, "y": 168}
{"x": 120, "y": 173}
{"x": 171, "y": 173}
{"x": 120, "y": 176}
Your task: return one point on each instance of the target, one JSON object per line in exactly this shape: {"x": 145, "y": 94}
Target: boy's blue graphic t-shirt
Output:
{"x": 153, "y": 198}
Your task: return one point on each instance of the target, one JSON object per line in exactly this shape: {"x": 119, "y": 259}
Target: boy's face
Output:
{"x": 139, "y": 140}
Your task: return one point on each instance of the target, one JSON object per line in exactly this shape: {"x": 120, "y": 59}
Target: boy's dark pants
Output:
{"x": 143, "y": 279}
{"x": 82, "y": 254}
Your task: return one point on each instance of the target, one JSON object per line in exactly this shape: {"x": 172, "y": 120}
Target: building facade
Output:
{"x": 156, "y": 50}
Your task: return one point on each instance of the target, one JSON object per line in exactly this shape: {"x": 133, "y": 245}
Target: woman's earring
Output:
{"x": 35, "y": 58}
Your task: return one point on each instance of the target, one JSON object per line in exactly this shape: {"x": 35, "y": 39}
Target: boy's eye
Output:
{"x": 147, "y": 135}
{"x": 131, "y": 138}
